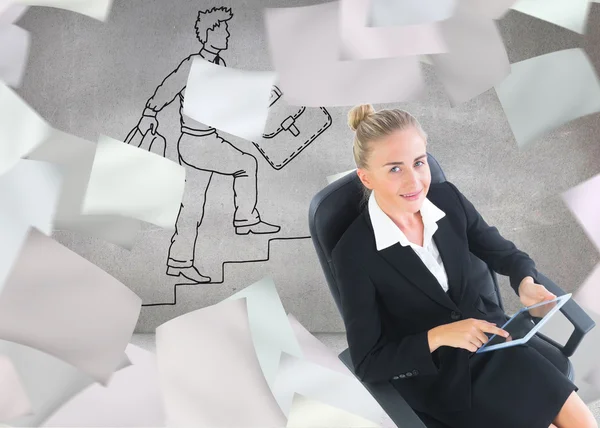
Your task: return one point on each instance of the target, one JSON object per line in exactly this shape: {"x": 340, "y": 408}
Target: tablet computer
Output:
{"x": 524, "y": 324}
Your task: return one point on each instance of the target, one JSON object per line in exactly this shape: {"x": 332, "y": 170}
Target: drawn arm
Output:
{"x": 169, "y": 88}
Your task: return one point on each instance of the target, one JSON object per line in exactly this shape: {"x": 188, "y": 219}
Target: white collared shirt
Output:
{"x": 388, "y": 234}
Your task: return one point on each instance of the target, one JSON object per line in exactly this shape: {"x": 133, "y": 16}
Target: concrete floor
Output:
{"x": 336, "y": 342}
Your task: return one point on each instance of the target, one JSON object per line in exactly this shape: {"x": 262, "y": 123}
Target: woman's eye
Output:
{"x": 420, "y": 162}
{"x": 395, "y": 169}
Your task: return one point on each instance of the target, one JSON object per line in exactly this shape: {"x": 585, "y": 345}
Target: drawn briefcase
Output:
{"x": 154, "y": 143}
{"x": 289, "y": 130}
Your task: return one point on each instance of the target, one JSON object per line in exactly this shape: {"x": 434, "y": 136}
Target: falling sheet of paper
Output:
{"x": 11, "y": 13}
{"x": 48, "y": 381}
{"x": 14, "y": 401}
{"x": 29, "y": 195}
{"x": 495, "y": 9}
{"x": 335, "y": 177}
{"x": 477, "y": 59}
{"x": 206, "y": 355}
{"x": 131, "y": 399}
{"x": 594, "y": 377}
{"x": 97, "y": 9}
{"x": 14, "y": 51}
{"x": 54, "y": 298}
{"x": 361, "y": 42}
{"x": 570, "y": 14}
{"x": 75, "y": 156}
{"x": 271, "y": 331}
{"x": 589, "y": 292}
{"x": 319, "y": 383}
{"x": 308, "y": 413}
{"x": 133, "y": 182}
{"x": 234, "y": 101}
{"x": 315, "y": 351}
{"x": 306, "y": 59}
{"x": 548, "y": 91}
{"x": 391, "y": 13}
{"x": 21, "y": 128}
{"x": 584, "y": 202}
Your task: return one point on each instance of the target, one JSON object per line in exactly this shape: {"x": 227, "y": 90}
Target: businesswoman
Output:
{"x": 412, "y": 310}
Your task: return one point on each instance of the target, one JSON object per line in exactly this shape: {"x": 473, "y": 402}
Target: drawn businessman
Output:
{"x": 204, "y": 152}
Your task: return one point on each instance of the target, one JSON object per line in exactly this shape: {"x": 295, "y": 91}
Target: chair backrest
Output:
{"x": 335, "y": 207}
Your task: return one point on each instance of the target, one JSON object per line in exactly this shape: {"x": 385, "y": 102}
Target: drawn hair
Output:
{"x": 209, "y": 19}
{"x": 370, "y": 126}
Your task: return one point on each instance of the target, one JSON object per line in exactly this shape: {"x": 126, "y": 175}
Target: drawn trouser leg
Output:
{"x": 183, "y": 242}
{"x": 213, "y": 153}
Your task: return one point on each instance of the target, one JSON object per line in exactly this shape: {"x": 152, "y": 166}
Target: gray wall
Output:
{"x": 89, "y": 78}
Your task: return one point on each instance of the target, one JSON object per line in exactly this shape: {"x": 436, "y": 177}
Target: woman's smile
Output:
{"x": 412, "y": 196}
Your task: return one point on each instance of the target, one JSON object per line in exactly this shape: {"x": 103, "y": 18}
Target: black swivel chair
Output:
{"x": 334, "y": 209}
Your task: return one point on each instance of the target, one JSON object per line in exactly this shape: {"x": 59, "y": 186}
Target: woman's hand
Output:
{"x": 531, "y": 293}
{"x": 467, "y": 334}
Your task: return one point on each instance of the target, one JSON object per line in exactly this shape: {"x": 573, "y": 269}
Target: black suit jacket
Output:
{"x": 390, "y": 300}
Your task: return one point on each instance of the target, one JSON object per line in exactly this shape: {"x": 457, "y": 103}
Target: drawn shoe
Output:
{"x": 260, "y": 228}
{"x": 190, "y": 273}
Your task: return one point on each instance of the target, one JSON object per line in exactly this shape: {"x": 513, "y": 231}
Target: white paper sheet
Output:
{"x": 319, "y": 383}
{"x": 97, "y": 9}
{"x": 49, "y": 381}
{"x": 14, "y": 51}
{"x": 361, "y": 42}
{"x": 14, "y": 401}
{"x": 133, "y": 182}
{"x": 75, "y": 156}
{"x": 304, "y": 44}
{"x": 584, "y": 202}
{"x": 315, "y": 351}
{"x": 54, "y": 299}
{"x": 570, "y": 14}
{"x": 589, "y": 293}
{"x": 131, "y": 399}
{"x": 477, "y": 59}
{"x": 593, "y": 378}
{"x": 308, "y": 413}
{"x": 547, "y": 91}
{"x": 495, "y": 9}
{"x": 234, "y": 101}
{"x": 11, "y": 13}
{"x": 391, "y": 13}
{"x": 21, "y": 128}
{"x": 270, "y": 329}
{"x": 206, "y": 355}
{"x": 335, "y": 177}
{"x": 29, "y": 195}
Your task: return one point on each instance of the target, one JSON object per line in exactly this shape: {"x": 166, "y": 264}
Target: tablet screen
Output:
{"x": 523, "y": 322}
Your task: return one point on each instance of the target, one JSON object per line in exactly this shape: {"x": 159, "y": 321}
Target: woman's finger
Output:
{"x": 494, "y": 330}
{"x": 476, "y": 342}
{"x": 482, "y": 337}
{"x": 470, "y": 347}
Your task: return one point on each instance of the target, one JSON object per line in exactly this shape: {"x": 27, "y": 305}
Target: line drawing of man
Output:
{"x": 204, "y": 152}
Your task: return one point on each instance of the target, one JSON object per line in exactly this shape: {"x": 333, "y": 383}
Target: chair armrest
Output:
{"x": 574, "y": 313}
{"x": 388, "y": 398}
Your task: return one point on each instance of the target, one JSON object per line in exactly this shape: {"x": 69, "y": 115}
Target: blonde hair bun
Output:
{"x": 359, "y": 113}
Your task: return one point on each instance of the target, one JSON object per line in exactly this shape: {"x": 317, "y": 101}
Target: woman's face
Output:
{"x": 398, "y": 171}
